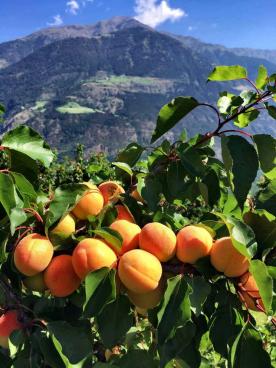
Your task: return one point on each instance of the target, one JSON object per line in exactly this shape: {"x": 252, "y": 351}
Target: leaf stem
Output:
{"x": 236, "y": 131}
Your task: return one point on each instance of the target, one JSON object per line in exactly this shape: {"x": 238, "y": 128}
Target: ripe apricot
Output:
{"x": 35, "y": 283}
{"x": 92, "y": 254}
{"x": 111, "y": 191}
{"x": 90, "y": 204}
{"x": 158, "y": 240}
{"x": 250, "y": 292}
{"x": 60, "y": 277}
{"x": 129, "y": 233}
{"x": 193, "y": 243}
{"x": 33, "y": 254}
{"x": 66, "y": 226}
{"x": 148, "y": 300}
{"x": 124, "y": 213}
{"x": 8, "y": 323}
{"x": 140, "y": 271}
{"x": 225, "y": 258}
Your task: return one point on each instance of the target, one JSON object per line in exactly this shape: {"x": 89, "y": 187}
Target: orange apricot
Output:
{"x": 225, "y": 258}
{"x": 148, "y": 300}
{"x": 111, "y": 191}
{"x": 129, "y": 232}
{"x": 8, "y": 323}
{"x": 92, "y": 254}
{"x": 66, "y": 226}
{"x": 250, "y": 292}
{"x": 137, "y": 196}
{"x": 140, "y": 271}
{"x": 124, "y": 213}
{"x": 60, "y": 277}
{"x": 90, "y": 204}
{"x": 33, "y": 254}
{"x": 193, "y": 243}
{"x": 35, "y": 283}
{"x": 158, "y": 240}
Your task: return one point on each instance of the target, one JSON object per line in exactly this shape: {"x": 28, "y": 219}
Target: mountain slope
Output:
{"x": 104, "y": 84}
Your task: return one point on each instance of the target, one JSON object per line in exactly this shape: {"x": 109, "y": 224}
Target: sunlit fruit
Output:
{"x": 225, "y": 258}
{"x": 193, "y": 243}
{"x": 66, "y": 226}
{"x": 33, "y": 254}
{"x": 8, "y": 323}
{"x": 159, "y": 240}
{"x": 60, "y": 276}
{"x": 90, "y": 204}
{"x": 111, "y": 191}
{"x": 92, "y": 254}
{"x": 140, "y": 271}
{"x": 129, "y": 233}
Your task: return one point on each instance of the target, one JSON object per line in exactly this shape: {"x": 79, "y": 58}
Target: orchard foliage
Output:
{"x": 194, "y": 288}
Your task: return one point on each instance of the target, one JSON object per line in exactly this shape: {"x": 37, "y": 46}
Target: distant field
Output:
{"x": 123, "y": 80}
{"x": 75, "y": 108}
{"x": 39, "y": 105}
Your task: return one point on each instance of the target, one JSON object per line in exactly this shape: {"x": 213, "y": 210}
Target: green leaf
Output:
{"x": 150, "y": 189}
{"x": 25, "y": 165}
{"x": 242, "y": 236}
{"x": 266, "y": 148}
{"x": 225, "y": 324}
{"x": 267, "y": 198}
{"x": 24, "y": 187}
{"x": 123, "y": 166}
{"x": 136, "y": 359}
{"x": 201, "y": 289}
{"x": 110, "y": 236}
{"x": 262, "y": 77}
{"x": 172, "y": 113}
{"x": 241, "y": 162}
{"x": 48, "y": 350}
{"x": 114, "y": 321}
{"x": 131, "y": 154}
{"x": 243, "y": 120}
{"x": 65, "y": 199}
{"x": 264, "y": 282}
{"x": 11, "y": 203}
{"x": 175, "y": 180}
{"x": 272, "y": 111}
{"x": 226, "y": 73}
{"x": 25, "y": 140}
{"x": 192, "y": 161}
{"x": 72, "y": 341}
{"x": 100, "y": 289}
{"x": 247, "y": 350}
{"x": 224, "y": 104}
{"x": 175, "y": 308}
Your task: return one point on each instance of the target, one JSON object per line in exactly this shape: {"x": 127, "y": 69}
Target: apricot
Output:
{"x": 137, "y": 196}
{"x": 193, "y": 243}
{"x": 60, "y": 276}
{"x": 124, "y": 213}
{"x": 35, "y": 283}
{"x": 92, "y": 254}
{"x": 111, "y": 191}
{"x": 250, "y": 292}
{"x": 90, "y": 204}
{"x": 158, "y": 240}
{"x": 225, "y": 258}
{"x": 129, "y": 232}
{"x": 66, "y": 226}
{"x": 148, "y": 300}
{"x": 140, "y": 271}
{"x": 33, "y": 254}
{"x": 8, "y": 323}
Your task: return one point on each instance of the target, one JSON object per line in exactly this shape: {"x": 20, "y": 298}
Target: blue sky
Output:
{"x": 236, "y": 23}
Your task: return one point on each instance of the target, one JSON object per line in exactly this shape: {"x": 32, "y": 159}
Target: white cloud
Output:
{"x": 192, "y": 28}
{"x": 57, "y": 21}
{"x": 153, "y": 12}
{"x": 72, "y": 7}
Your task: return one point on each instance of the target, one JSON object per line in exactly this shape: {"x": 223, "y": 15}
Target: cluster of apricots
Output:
{"x": 139, "y": 260}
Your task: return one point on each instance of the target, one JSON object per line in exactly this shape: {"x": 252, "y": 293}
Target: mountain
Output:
{"x": 102, "y": 85}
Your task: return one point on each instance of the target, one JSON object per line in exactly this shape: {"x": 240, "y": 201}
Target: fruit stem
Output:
{"x": 35, "y": 213}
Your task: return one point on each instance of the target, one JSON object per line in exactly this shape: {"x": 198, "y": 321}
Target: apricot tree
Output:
{"x": 166, "y": 259}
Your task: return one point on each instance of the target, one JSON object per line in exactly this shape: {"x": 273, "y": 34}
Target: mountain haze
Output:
{"x": 102, "y": 85}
